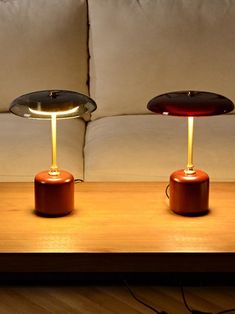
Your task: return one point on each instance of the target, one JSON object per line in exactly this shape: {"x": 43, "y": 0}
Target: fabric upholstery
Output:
{"x": 43, "y": 45}
{"x": 26, "y": 147}
{"x": 140, "y": 49}
{"x": 151, "y": 147}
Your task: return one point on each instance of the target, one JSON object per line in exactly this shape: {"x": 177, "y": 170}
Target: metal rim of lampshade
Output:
{"x": 190, "y": 103}
{"x": 42, "y": 104}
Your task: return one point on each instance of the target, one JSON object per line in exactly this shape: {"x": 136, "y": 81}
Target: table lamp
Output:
{"x": 54, "y": 188}
{"x": 189, "y": 187}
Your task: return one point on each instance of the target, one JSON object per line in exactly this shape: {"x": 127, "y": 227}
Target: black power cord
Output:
{"x": 142, "y": 302}
{"x": 78, "y": 180}
{"x": 187, "y": 306}
{"x": 201, "y": 312}
{"x": 166, "y": 191}
{"x": 192, "y": 311}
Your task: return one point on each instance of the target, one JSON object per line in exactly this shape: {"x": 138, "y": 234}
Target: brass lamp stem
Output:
{"x": 190, "y": 167}
{"x": 54, "y": 168}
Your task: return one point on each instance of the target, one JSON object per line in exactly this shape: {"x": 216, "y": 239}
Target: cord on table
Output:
{"x": 142, "y": 302}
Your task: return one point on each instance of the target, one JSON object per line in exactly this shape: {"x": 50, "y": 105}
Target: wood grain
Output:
{"x": 130, "y": 220}
{"x": 111, "y": 299}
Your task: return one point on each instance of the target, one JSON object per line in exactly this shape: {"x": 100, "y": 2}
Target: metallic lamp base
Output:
{"x": 54, "y": 195}
{"x": 189, "y": 194}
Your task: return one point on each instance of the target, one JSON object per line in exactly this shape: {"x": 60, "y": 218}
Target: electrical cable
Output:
{"x": 187, "y": 306}
{"x": 201, "y": 312}
{"x": 166, "y": 191}
{"x": 192, "y": 311}
{"x": 78, "y": 180}
{"x": 184, "y": 299}
{"x": 140, "y": 301}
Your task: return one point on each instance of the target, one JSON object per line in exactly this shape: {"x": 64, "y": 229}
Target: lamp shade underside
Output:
{"x": 42, "y": 104}
{"x": 190, "y": 103}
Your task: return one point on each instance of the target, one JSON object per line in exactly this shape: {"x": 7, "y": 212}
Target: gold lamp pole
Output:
{"x": 190, "y": 167}
{"x": 53, "y": 116}
{"x": 54, "y": 168}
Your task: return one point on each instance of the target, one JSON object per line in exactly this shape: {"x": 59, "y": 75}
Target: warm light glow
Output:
{"x": 48, "y": 113}
{"x": 54, "y": 168}
{"x": 190, "y": 167}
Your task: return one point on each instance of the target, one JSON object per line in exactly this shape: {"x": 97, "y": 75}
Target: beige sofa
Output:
{"x": 121, "y": 53}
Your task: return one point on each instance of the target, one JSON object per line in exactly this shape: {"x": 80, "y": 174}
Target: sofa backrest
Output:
{"x": 43, "y": 45}
{"x": 143, "y": 48}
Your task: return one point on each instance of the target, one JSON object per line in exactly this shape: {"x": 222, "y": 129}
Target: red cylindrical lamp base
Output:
{"x": 189, "y": 194}
{"x": 54, "y": 195}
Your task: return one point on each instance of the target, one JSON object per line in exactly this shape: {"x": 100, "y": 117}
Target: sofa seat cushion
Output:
{"x": 26, "y": 147}
{"x": 150, "y": 147}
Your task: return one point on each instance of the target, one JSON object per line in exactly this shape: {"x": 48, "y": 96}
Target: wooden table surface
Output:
{"x": 117, "y": 227}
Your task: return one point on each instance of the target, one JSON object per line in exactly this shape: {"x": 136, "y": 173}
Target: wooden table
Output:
{"x": 116, "y": 227}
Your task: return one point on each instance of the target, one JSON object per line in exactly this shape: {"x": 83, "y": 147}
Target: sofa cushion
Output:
{"x": 150, "y": 147}
{"x": 26, "y": 147}
{"x": 43, "y": 46}
{"x": 140, "y": 49}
